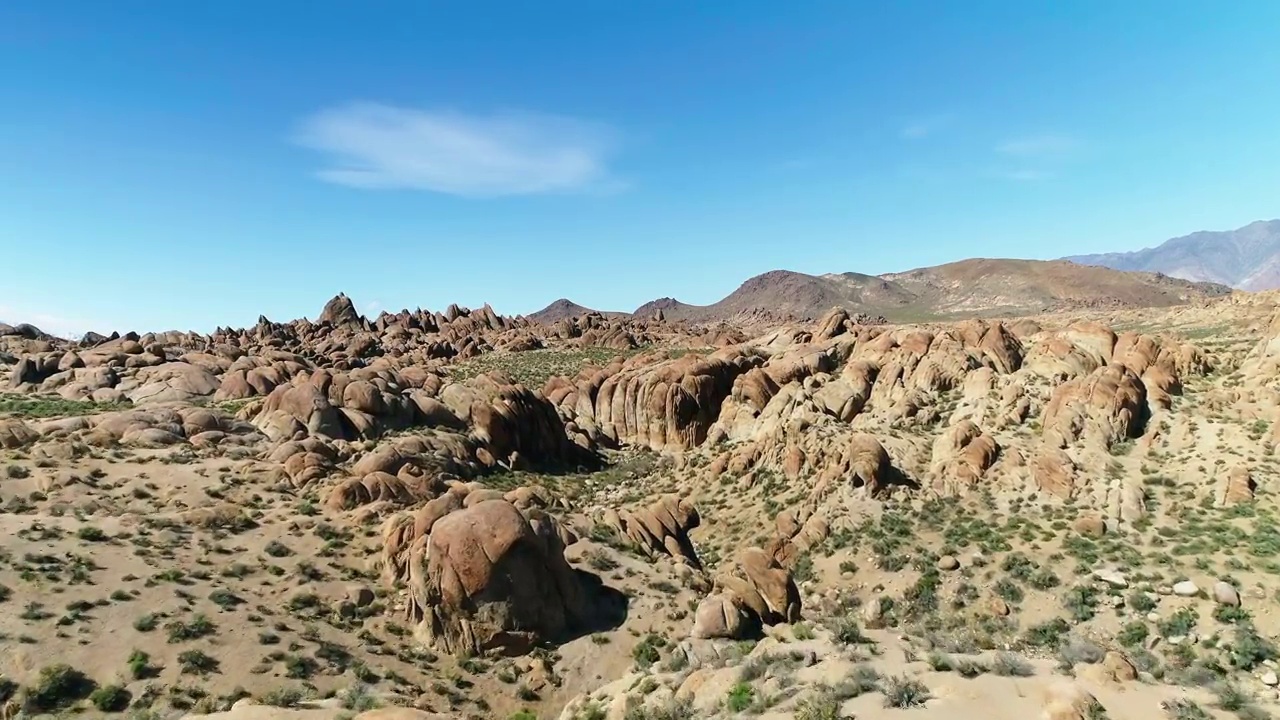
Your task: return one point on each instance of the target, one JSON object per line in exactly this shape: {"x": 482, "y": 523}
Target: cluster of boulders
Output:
{"x": 661, "y": 528}
{"x": 154, "y": 427}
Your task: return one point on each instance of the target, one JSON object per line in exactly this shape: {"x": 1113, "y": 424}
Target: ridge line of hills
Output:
{"x": 979, "y": 286}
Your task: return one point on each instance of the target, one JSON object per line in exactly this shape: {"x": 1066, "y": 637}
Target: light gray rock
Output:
{"x": 1112, "y": 577}
{"x": 1225, "y": 594}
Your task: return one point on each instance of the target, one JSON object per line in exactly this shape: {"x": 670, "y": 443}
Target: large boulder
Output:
{"x": 173, "y": 382}
{"x": 15, "y": 434}
{"x": 490, "y": 580}
{"x": 1109, "y": 405}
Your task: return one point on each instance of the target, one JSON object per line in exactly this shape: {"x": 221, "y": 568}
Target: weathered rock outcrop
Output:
{"x": 487, "y": 579}
{"x": 670, "y": 404}
{"x": 662, "y": 528}
{"x": 1107, "y": 406}
{"x": 752, "y": 590}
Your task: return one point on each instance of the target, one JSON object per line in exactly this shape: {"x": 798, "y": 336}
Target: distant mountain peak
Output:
{"x": 1247, "y": 258}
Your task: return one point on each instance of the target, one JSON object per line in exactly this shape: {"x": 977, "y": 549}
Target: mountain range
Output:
{"x": 980, "y": 286}
{"x": 1246, "y": 259}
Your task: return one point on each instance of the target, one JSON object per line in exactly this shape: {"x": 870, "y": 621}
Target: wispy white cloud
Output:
{"x": 923, "y": 127}
{"x": 1043, "y": 146}
{"x": 377, "y": 146}
{"x": 1025, "y": 175}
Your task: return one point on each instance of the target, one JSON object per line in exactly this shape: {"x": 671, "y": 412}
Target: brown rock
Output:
{"x": 489, "y": 580}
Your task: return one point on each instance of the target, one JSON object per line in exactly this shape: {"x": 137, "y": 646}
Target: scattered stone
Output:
{"x": 1186, "y": 588}
{"x": 1111, "y": 577}
{"x": 948, "y": 562}
{"x": 1270, "y": 679}
{"x": 1225, "y": 594}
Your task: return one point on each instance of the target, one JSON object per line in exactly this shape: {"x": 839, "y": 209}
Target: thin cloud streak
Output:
{"x": 380, "y": 147}
{"x": 921, "y": 128}
{"x": 1045, "y": 146}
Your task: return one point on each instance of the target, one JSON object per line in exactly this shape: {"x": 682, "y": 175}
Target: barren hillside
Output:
{"x": 980, "y": 287}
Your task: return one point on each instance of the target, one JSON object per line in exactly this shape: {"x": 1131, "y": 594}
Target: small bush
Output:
{"x": 1010, "y": 665}
{"x": 283, "y": 697}
{"x": 140, "y": 665}
{"x": 740, "y": 697}
{"x": 1183, "y": 709}
{"x": 649, "y": 650}
{"x": 196, "y": 662}
{"x": 1141, "y": 602}
{"x": 824, "y": 704}
{"x": 1133, "y": 634}
{"x": 849, "y": 632}
{"x": 277, "y": 549}
{"x": 198, "y": 627}
{"x": 1250, "y": 649}
{"x": 904, "y": 692}
{"x": 59, "y": 686}
{"x": 1046, "y": 634}
{"x": 1232, "y": 697}
{"x": 146, "y": 623}
{"x": 110, "y": 698}
{"x": 89, "y": 533}
{"x": 225, "y": 599}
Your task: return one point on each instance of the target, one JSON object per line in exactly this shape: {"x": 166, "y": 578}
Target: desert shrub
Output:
{"x": 849, "y": 632}
{"x": 110, "y": 698}
{"x": 671, "y": 710}
{"x": 1133, "y": 634}
{"x": 196, "y": 662}
{"x": 1183, "y": 709}
{"x": 601, "y": 560}
{"x": 1008, "y": 591}
{"x": 740, "y": 697}
{"x": 140, "y": 665}
{"x": 1179, "y": 623}
{"x": 1047, "y": 634}
{"x": 58, "y": 686}
{"x": 1250, "y": 649}
{"x": 649, "y": 650}
{"x": 904, "y": 692}
{"x": 1010, "y": 665}
{"x": 89, "y": 533}
{"x": 1081, "y": 601}
{"x": 198, "y": 627}
{"x": 823, "y": 704}
{"x": 1232, "y": 697}
{"x": 1140, "y": 602}
{"x": 283, "y": 697}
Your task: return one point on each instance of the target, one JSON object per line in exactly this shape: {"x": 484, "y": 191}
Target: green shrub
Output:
{"x": 58, "y": 687}
{"x": 197, "y": 662}
{"x": 110, "y": 698}
{"x": 198, "y": 627}
{"x": 1134, "y": 633}
{"x": 740, "y": 697}
{"x": 649, "y": 650}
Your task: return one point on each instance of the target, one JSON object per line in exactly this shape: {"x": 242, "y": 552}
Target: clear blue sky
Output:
{"x": 190, "y": 164}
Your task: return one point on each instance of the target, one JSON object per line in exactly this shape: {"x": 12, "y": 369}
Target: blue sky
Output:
{"x": 186, "y": 165}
